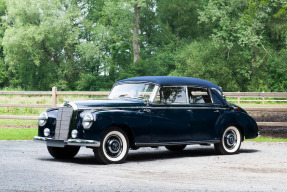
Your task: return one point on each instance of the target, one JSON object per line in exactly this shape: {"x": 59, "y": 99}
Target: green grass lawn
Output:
{"x": 268, "y": 139}
{"x": 17, "y": 122}
{"x": 18, "y": 134}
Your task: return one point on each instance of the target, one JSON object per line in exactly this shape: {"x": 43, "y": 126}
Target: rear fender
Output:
{"x": 243, "y": 121}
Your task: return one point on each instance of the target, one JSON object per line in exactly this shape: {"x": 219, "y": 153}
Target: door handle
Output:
{"x": 146, "y": 110}
{"x": 216, "y": 111}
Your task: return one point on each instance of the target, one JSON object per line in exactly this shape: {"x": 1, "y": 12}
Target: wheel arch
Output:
{"x": 126, "y": 129}
{"x": 227, "y": 123}
{"x": 240, "y": 128}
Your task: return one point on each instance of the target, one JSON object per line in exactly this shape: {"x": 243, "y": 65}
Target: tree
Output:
{"x": 40, "y": 40}
{"x": 3, "y": 67}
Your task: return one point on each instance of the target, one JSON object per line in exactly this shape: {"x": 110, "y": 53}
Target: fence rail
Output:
{"x": 262, "y": 95}
{"x": 54, "y": 93}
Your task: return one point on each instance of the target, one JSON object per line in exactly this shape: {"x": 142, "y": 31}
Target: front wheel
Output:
{"x": 67, "y": 152}
{"x": 230, "y": 141}
{"x": 114, "y": 147}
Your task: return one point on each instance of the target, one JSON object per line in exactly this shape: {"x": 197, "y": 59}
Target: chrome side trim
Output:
{"x": 151, "y": 107}
{"x": 177, "y": 143}
{"x": 188, "y": 108}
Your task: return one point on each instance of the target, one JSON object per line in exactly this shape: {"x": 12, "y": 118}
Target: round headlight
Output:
{"x": 42, "y": 120}
{"x": 74, "y": 134}
{"x": 88, "y": 121}
{"x": 46, "y": 132}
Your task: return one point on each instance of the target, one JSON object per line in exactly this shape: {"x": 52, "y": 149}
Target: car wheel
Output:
{"x": 114, "y": 147}
{"x": 67, "y": 152}
{"x": 230, "y": 141}
{"x": 175, "y": 147}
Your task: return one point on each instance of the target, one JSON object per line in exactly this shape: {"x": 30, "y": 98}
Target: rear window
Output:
{"x": 198, "y": 95}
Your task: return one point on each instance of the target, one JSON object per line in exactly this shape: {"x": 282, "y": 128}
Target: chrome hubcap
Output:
{"x": 230, "y": 139}
{"x": 114, "y": 146}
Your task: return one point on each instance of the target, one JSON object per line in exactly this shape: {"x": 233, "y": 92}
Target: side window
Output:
{"x": 198, "y": 95}
{"x": 171, "y": 95}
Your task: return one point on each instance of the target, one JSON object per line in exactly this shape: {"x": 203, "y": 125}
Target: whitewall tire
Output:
{"x": 230, "y": 141}
{"x": 114, "y": 147}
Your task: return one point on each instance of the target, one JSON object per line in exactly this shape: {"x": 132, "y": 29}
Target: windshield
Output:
{"x": 132, "y": 90}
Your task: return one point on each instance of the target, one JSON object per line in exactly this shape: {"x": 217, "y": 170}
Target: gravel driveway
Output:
{"x": 260, "y": 166}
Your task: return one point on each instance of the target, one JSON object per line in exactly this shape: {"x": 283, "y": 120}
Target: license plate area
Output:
{"x": 55, "y": 143}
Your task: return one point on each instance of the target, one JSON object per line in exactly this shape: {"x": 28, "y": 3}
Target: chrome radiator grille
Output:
{"x": 63, "y": 123}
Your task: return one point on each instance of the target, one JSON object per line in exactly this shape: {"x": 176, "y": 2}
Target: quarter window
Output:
{"x": 171, "y": 95}
{"x": 198, "y": 95}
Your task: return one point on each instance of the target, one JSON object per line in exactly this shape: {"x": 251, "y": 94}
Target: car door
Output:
{"x": 170, "y": 115}
{"x": 204, "y": 113}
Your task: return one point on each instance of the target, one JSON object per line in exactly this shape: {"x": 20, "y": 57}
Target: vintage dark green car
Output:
{"x": 147, "y": 111}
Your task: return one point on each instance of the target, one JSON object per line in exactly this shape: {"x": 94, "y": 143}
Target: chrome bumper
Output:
{"x": 74, "y": 142}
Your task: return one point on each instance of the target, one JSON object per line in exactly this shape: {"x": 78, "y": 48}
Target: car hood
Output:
{"x": 108, "y": 103}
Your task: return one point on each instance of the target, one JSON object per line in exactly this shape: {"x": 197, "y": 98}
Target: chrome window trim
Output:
{"x": 159, "y": 87}
{"x": 154, "y": 94}
{"x": 209, "y": 93}
{"x": 132, "y": 82}
{"x": 219, "y": 92}
{"x": 186, "y": 93}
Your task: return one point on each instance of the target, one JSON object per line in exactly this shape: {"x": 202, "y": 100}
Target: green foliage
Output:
{"x": 87, "y": 45}
{"x": 40, "y": 38}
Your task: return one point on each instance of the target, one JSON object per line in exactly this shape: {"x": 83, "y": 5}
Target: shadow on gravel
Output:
{"x": 152, "y": 155}
{"x": 197, "y": 152}
{"x": 248, "y": 151}
{"x": 87, "y": 160}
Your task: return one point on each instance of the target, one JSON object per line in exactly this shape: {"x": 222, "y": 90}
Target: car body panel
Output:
{"x": 152, "y": 124}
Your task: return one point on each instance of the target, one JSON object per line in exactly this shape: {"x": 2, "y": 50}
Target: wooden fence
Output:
{"x": 54, "y": 93}
{"x": 263, "y": 95}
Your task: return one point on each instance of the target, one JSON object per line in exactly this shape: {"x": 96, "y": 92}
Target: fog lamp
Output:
{"x": 74, "y": 134}
{"x": 46, "y": 132}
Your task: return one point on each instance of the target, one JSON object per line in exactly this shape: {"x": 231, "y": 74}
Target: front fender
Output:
{"x": 137, "y": 121}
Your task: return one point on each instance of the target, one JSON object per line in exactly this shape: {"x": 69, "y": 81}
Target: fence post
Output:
{"x": 54, "y": 96}
{"x": 263, "y": 99}
{"x": 238, "y": 99}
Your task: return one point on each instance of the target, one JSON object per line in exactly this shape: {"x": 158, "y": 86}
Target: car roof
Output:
{"x": 172, "y": 81}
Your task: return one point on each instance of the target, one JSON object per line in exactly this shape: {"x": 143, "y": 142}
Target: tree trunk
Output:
{"x": 136, "y": 49}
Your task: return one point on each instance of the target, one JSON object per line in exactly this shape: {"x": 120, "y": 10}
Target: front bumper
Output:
{"x": 61, "y": 143}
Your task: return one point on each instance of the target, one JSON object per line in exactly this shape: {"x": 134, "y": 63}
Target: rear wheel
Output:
{"x": 230, "y": 141}
{"x": 114, "y": 147}
{"x": 67, "y": 152}
{"x": 175, "y": 147}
